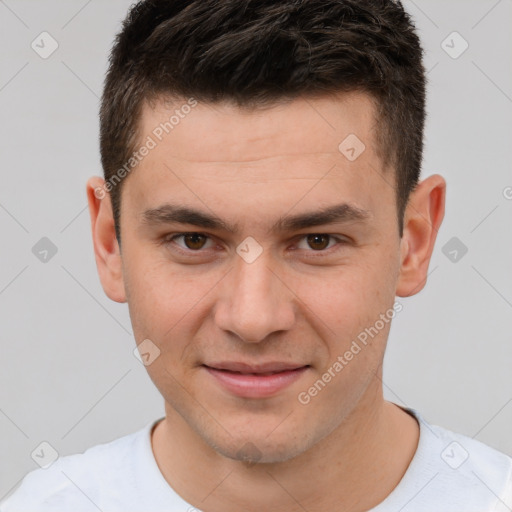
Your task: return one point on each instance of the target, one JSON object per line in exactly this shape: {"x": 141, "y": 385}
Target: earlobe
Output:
{"x": 106, "y": 247}
{"x": 423, "y": 217}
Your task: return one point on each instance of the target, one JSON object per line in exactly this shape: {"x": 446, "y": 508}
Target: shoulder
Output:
{"x": 76, "y": 480}
{"x": 468, "y": 456}
{"x": 464, "y": 471}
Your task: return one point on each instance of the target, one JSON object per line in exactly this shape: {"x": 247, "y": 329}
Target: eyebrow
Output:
{"x": 179, "y": 214}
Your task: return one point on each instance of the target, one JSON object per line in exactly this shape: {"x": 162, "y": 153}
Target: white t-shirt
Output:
{"x": 449, "y": 473}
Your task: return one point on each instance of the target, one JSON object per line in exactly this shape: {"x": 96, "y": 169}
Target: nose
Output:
{"x": 255, "y": 301}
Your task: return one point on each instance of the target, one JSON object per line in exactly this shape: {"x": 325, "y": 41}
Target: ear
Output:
{"x": 422, "y": 220}
{"x": 106, "y": 247}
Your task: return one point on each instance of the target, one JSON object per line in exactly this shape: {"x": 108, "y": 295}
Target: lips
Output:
{"x": 255, "y": 380}
{"x": 258, "y": 369}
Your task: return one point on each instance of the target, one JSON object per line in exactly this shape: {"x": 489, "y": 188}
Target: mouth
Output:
{"x": 255, "y": 381}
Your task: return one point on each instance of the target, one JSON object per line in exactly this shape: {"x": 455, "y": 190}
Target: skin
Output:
{"x": 347, "y": 448}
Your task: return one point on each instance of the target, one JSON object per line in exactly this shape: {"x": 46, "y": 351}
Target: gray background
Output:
{"x": 67, "y": 371}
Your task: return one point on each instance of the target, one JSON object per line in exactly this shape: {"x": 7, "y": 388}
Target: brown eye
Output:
{"x": 189, "y": 244}
{"x": 318, "y": 242}
{"x": 194, "y": 241}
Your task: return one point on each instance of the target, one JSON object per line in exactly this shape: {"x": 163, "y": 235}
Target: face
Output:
{"x": 256, "y": 296}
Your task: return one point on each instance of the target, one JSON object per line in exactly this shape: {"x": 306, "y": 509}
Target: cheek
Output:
{"x": 354, "y": 335}
{"x": 345, "y": 309}
{"x": 349, "y": 296}
{"x": 166, "y": 305}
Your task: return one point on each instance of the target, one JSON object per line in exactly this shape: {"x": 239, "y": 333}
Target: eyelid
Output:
{"x": 169, "y": 239}
{"x": 338, "y": 239}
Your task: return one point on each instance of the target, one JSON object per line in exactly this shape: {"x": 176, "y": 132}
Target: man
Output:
{"x": 260, "y": 212}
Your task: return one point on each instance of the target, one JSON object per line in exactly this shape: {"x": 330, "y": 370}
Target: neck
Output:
{"x": 353, "y": 468}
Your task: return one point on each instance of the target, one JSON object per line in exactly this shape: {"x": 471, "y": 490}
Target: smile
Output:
{"x": 255, "y": 382}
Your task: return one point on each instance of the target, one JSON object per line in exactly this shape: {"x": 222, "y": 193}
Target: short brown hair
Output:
{"x": 259, "y": 52}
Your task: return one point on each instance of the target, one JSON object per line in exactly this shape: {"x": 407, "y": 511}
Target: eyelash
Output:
{"x": 169, "y": 239}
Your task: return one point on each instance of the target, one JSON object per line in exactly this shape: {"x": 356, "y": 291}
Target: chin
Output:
{"x": 260, "y": 448}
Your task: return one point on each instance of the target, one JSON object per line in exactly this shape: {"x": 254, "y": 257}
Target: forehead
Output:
{"x": 223, "y": 132}
{"x": 259, "y": 162}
